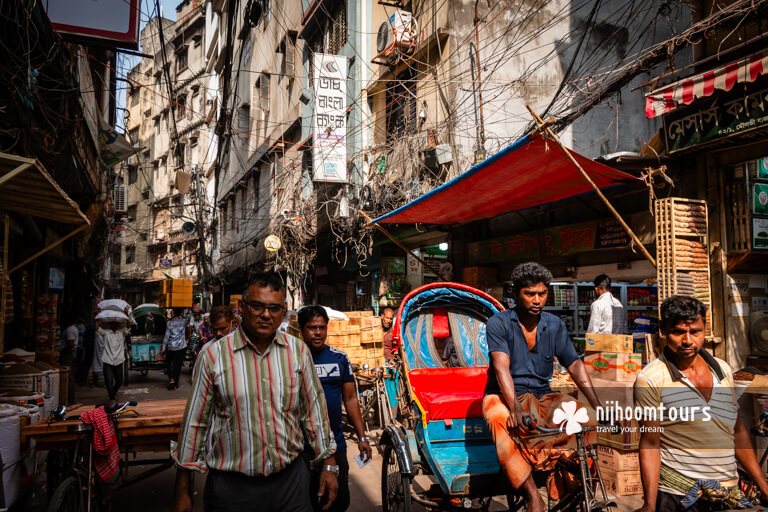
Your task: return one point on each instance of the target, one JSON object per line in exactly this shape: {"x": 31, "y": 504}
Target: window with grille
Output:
{"x": 133, "y": 174}
{"x": 182, "y": 59}
{"x": 130, "y": 254}
{"x": 224, "y": 218}
{"x": 135, "y": 97}
{"x": 337, "y": 31}
{"x": 401, "y": 109}
{"x": 243, "y": 124}
{"x": 264, "y": 92}
{"x": 256, "y": 180}
{"x": 232, "y": 222}
{"x": 289, "y": 56}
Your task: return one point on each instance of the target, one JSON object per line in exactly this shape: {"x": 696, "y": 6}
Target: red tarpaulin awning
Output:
{"x": 528, "y": 173}
{"x": 683, "y": 92}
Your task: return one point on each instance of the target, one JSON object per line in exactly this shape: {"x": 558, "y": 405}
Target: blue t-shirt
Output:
{"x": 333, "y": 368}
{"x": 531, "y": 370}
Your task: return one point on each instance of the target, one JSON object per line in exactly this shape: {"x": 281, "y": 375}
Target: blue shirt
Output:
{"x": 175, "y": 334}
{"x": 333, "y": 368}
{"x": 531, "y": 370}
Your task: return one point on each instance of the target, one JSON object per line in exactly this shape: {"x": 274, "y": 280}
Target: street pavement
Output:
{"x": 156, "y": 494}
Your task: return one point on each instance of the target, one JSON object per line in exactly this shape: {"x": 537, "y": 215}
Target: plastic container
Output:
{"x": 10, "y": 451}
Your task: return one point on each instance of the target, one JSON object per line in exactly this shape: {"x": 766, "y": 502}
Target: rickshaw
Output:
{"x": 440, "y": 430}
{"x": 146, "y": 341}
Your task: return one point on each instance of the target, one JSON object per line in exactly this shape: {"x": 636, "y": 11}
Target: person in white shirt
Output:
{"x": 114, "y": 333}
{"x": 608, "y": 313}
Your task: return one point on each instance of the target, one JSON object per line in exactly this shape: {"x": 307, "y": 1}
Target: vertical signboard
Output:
{"x": 329, "y": 119}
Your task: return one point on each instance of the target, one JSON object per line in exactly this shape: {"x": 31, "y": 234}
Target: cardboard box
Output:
{"x": 355, "y": 353}
{"x": 366, "y": 336}
{"x": 622, "y": 483}
{"x": 479, "y": 277}
{"x": 337, "y": 340}
{"x": 340, "y": 326}
{"x": 354, "y": 337}
{"x": 609, "y": 343}
{"x": 354, "y": 314}
{"x": 627, "y": 440}
{"x": 618, "y": 460}
{"x": 293, "y": 332}
{"x": 611, "y": 391}
{"x": 378, "y": 334}
{"x": 613, "y": 366}
{"x": 365, "y": 322}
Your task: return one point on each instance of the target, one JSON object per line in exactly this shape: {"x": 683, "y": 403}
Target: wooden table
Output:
{"x": 158, "y": 423}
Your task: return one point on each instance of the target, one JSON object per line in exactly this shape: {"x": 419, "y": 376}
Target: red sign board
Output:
{"x": 113, "y": 21}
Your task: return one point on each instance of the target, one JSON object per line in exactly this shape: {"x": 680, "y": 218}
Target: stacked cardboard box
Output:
{"x": 176, "y": 293}
{"x": 611, "y": 357}
{"x": 612, "y": 365}
{"x": 366, "y": 335}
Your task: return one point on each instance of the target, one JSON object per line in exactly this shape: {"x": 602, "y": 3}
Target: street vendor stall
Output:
{"x": 146, "y": 340}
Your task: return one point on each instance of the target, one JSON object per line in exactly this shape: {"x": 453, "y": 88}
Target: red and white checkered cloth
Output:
{"x": 107, "y": 455}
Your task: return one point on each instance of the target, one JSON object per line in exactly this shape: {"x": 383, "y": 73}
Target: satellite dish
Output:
{"x": 189, "y": 228}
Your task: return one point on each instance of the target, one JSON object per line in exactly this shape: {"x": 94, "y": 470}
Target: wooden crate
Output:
{"x": 682, "y": 247}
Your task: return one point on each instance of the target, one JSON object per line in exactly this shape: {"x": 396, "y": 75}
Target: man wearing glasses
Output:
{"x": 256, "y": 392}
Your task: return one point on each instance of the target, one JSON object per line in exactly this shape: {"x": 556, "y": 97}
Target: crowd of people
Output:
{"x": 264, "y": 415}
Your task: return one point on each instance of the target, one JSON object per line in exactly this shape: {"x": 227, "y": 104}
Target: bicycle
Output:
{"x": 81, "y": 490}
{"x": 585, "y": 467}
{"x": 746, "y": 484}
{"x": 374, "y": 401}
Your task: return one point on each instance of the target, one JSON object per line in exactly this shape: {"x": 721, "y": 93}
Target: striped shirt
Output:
{"x": 695, "y": 444}
{"x": 255, "y": 408}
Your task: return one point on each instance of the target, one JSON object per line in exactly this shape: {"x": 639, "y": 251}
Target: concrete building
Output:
{"x": 168, "y": 115}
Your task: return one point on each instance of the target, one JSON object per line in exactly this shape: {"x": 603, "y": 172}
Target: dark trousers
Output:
{"x": 342, "y": 498}
{"x": 671, "y": 503}
{"x": 174, "y": 360}
{"x": 84, "y": 360}
{"x": 227, "y": 491}
{"x": 113, "y": 378}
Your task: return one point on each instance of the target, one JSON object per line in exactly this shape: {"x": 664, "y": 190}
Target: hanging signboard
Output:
{"x": 759, "y": 233}
{"x": 558, "y": 241}
{"x": 329, "y": 119}
{"x": 115, "y": 22}
{"x": 166, "y": 262}
{"x": 741, "y": 110}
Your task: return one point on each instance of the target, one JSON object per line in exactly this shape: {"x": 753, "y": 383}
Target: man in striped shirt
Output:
{"x": 691, "y": 437}
{"x": 255, "y": 395}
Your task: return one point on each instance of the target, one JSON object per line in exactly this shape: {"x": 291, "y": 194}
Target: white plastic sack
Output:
{"x": 335, "y": 315}
{"x": 112, "y": 316}
{"x": 117, "y": 305}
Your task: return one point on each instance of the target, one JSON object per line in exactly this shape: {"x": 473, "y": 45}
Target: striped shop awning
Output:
{"x": 683, "y": 92}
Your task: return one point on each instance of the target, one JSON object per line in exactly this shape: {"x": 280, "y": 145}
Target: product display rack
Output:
{"x": 575, "y": 310}
{"x": 682, "y": 248}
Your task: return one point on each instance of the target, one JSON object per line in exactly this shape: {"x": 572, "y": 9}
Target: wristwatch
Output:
{"x": 363, "y": 440}
{"x": 332, "y": 469}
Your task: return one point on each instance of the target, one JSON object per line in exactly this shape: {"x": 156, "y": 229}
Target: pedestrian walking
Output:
{"x": 335, "y": 373}
{"x": 175, "y": 346}
{"x": 98, "y": 354}
{"x": 113, "y": 332}
{"x": 68, "y": 353}
{"x": 607, "y": 314}
{"x": 256, "y": 392}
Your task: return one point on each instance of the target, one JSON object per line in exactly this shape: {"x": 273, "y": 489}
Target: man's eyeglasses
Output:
{"x": 258, "y": 308}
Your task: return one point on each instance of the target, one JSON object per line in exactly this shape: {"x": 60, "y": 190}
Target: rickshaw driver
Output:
{"x": 523, "y": 343}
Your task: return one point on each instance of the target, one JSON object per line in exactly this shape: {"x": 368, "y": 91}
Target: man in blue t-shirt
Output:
{"x": 335, "y": 372}
{"x": 523, "y": 343}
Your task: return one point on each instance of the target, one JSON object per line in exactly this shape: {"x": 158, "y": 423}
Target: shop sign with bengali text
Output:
{"x": 166, "y": 263}
{"x": 738, "y": 111}
{"x": 759, "y": 233}
{"x": 329, "y": 118}
{"x": 559, "y": 241}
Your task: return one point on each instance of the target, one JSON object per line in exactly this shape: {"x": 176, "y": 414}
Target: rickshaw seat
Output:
{"x": 450, "y": 393}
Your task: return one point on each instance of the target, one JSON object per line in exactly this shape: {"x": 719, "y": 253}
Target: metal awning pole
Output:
{"x": 602, "y": 197}
{"x": 47, "y": 248}
{"x": 402, "y": 246}
{"x": 6, "y": 239}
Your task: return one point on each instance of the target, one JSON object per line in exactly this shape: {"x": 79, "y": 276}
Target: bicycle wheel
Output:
{"x": 69, "y": 497}
{"x": 395, "y": 486}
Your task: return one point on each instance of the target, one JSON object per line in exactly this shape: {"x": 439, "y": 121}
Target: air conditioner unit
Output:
{"x": 397, "y": 34}
{"x": 758, "y": 332}
{"x": 120, "y": 199}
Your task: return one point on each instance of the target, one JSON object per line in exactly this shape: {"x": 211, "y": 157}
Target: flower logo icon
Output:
{"x": 567, "y": 416}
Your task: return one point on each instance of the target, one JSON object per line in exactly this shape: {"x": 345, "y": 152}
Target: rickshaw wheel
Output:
{"x": 395, "y": 486}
